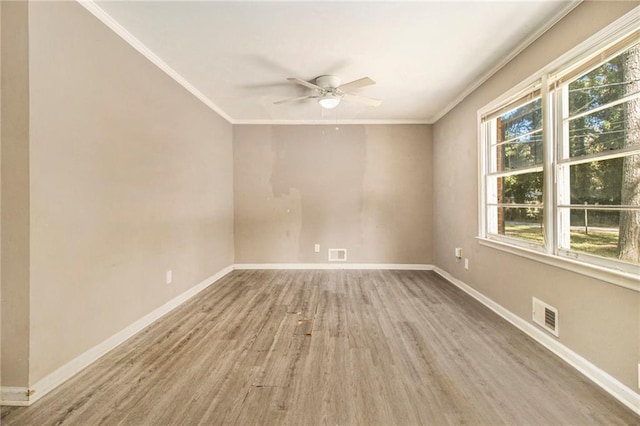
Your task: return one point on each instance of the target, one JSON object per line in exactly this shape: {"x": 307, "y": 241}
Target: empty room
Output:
{"x": 320, "y": 212}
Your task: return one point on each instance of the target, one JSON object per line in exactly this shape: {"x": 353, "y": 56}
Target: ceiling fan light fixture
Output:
{"x": 329, "y": 92}
{"x": 329, "y": 101}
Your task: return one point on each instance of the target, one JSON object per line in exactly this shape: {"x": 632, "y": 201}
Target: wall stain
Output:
{"x": 326, "y": 166}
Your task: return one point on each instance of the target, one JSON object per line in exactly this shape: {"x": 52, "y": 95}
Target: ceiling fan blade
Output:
{"x": 363, "y": 99}
{"x": 304, "y": 83}
{"x": 356, "y": 84}
{"x": 286, "y": 101}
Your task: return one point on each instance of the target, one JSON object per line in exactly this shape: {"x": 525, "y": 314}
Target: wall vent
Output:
{"x": 546, "y": 316}
{"x": 337, "y": 255}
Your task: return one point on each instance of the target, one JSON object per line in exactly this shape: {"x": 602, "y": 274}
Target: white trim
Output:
{"x": 19, "y": 396}
{"x": 601, "y": 40}
{"x": 73, "y": 367}
{"x": 110, "y": 22}
{"x": 497, "y": 67}
{"x": 610, "y": 384}
{"x": 607, "y": 270}
{"x": 617, "y": 29}
{"x": 330, "y": 121}
{"x": 106, "y": 19}
{"x": 482, "y": 184}
{"x": 14, "y": 396}
{"x": 629, "y": 281}
{"x": 549, "y": 158}
{"x": 354, "y": 266}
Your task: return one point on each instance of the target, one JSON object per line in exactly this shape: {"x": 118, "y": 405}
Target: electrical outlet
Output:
{"x": 466, "y": 263}
{"x": 458, "y": 253}
{"x": 169, "y": 276}
{"x": 317, "y": 248}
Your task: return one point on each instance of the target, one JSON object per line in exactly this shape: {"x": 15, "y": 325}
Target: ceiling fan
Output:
{"x": 329, "y": 92}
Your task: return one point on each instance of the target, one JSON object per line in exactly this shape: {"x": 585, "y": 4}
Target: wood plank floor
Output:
{"x": 327, "y": 347}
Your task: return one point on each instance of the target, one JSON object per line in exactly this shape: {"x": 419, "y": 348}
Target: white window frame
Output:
{"x": 554, "y": 168}
{"x": 517, "y": 99}
{"x": 563, "y": 163}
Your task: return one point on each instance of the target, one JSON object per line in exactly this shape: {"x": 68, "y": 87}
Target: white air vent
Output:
{"x": 337, "y": 255}
{"x": 546, "y": 316}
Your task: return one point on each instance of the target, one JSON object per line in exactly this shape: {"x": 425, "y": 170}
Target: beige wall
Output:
{"x": 130, "y": 176}
{"x": 364, "y": 188}
{"x": 598, "y": 320}
{"x": 0, "y": 194}
{"x": 15, "y": 194}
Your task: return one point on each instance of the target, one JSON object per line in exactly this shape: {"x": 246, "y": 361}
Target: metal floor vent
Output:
{"x": 546, "y": 316}
{"x": 337, "y": 255}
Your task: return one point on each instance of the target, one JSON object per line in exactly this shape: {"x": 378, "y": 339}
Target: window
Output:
{"x": 560, "y": 161}
{"x": 515, "y": 169}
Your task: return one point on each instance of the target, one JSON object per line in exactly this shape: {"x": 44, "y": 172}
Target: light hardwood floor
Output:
{"x": 327, "y": 347}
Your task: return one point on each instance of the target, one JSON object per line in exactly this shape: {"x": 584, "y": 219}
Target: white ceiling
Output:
{"x": 236, "y": 56}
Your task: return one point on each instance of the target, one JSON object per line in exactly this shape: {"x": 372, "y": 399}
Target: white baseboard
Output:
{"x": 607, "y": 382}
{"x": 14, "y": 395}
{"x": 354, "y": 266}
{"x": 22, "y": 396}
{"x": 19, "y": 396}
{"x": 25, "y": 396}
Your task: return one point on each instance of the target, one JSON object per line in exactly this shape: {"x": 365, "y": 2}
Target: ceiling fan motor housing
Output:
{"x": 328, "y": 81}
{"x": 329, "y": 91}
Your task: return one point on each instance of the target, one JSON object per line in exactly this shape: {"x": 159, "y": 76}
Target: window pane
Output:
{"x": 524, "y": 188}
{"x": 602, "y": 85}
{"x": 595, "y": 232}
{"x": 519, "y": 137}
{"x": 604, "y": 130}
{"x": 597, "y": 182}
{"x": 598, "y": 232}
{"x": 522, "y": 223}
{"x": 525, "y": 151}
{"x": 520, "y": 121}
{"x": 602, "y": 182}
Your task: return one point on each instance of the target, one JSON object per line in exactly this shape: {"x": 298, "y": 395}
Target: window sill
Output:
{"x": 622, "y": 279}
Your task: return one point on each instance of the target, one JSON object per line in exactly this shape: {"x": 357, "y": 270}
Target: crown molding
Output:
{"x": 497, "y": 67}
{"x": 110, "y": 22}
{"x": 327, "y": 122}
